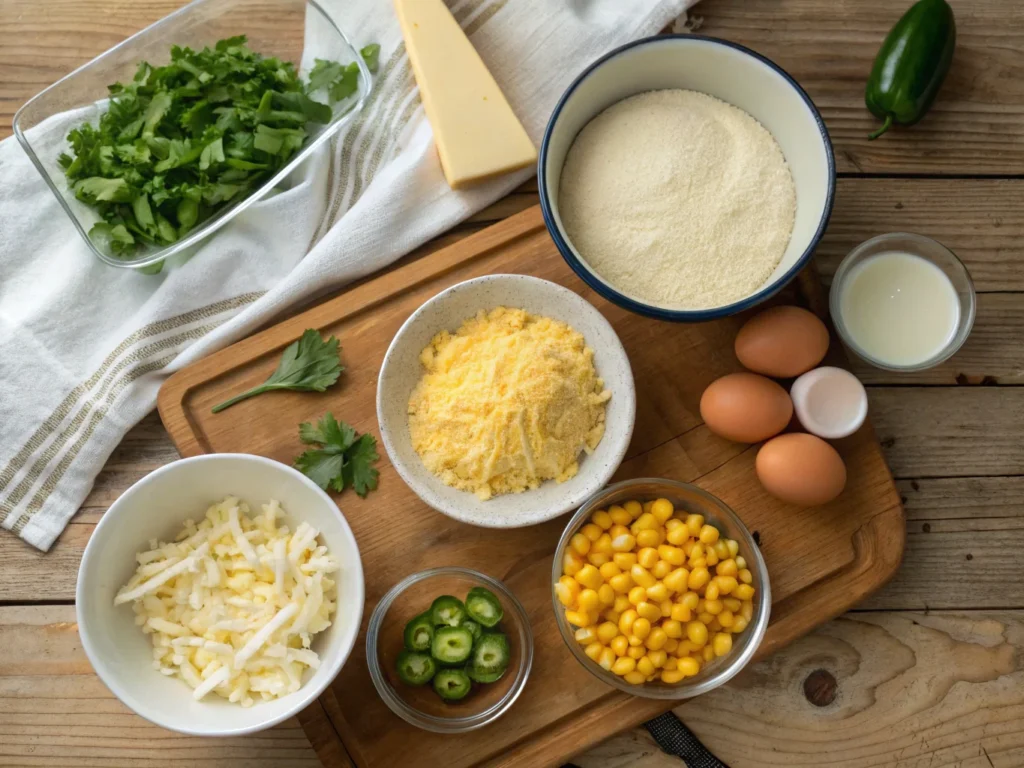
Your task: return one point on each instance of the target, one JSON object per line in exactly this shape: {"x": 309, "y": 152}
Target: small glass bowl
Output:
{"x": 693, "y": 500}
{"x": 928, "y": 249}
{"x": 281, "y": 28}
{"x": 421, "y": 706}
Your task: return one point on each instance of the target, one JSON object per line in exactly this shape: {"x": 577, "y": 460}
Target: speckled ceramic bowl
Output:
{"x": 402, "y": 370}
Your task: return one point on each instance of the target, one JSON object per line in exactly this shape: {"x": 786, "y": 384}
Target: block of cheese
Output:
{"x": 476, "y": 132}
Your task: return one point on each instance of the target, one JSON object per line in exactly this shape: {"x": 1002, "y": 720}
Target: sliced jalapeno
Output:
{"x": 452, "y": 684}
{"x": 419, "y": 633}
{"x": 484, "y": 677}
{"x": 483, "y": 607}
{"x": 474, "y": 629}
{"x": 451, "y": 645}
{"x": 490, "y": 654}
{"x": 415, "y": 668}
{"x": 447, "y": 611}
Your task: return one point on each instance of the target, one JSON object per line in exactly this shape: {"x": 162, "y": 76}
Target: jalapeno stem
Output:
{"x": 885, "y": 127}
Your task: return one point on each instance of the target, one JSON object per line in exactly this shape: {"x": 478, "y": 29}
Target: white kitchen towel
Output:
{"x": 84, "y": 347}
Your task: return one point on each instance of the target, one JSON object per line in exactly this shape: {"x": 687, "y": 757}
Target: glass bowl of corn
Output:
{"x": 659, "y": 589}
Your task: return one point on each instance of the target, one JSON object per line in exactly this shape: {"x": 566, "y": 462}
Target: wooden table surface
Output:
{"x": 928, "y": 672}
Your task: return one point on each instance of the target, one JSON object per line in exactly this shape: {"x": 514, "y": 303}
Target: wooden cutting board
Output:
{"x": 822, "y": 561}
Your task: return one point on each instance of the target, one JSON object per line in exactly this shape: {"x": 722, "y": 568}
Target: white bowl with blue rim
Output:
{"x": 728, "y": 72}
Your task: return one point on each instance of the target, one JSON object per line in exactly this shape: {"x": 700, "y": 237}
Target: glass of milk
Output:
{"x": 902, "y": 302}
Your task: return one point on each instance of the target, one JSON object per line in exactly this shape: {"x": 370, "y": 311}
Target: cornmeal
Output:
{"x": 508, "y": 401}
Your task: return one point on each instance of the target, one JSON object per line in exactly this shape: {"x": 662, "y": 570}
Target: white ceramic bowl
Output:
{"x": 733, "y": 74}
{"x": 447, "y": 311}
{"x": 156, "y": 507}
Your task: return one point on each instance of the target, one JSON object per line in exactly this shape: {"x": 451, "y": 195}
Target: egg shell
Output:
{"x": 782, "y": 342}
{"x": 745, "y": 407}
{"x": 801, "y": 469}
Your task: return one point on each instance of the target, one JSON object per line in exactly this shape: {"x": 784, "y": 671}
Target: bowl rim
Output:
{"x": 414, "y": 716}
{"x": 856, "y": 255}
{"x": 651, "y": 310}
{"x": 426, "y": 494}
{"x": 226, "y": 214}
{"x": 307, "y": 694}
{"x": 681, "y": 690}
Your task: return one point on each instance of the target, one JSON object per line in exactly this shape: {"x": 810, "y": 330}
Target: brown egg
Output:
{"x": 745, "y": 407}
{"x": 801, "y": 469}
{"x": 782, "y": 342}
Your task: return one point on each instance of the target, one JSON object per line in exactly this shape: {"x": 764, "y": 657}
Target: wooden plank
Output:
{"x": 910, "y": 690}
{"x": 950, "y": 431}
{"x": 959, "y": 498}
{"x": 55, "y": 711}
{"x": 975, "y": 125}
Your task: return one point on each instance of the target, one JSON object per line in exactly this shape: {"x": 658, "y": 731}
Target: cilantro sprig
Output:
{"x": 182, "y": 141}
{"x": 310, "y": 364}
{"x": 343, "y": 459}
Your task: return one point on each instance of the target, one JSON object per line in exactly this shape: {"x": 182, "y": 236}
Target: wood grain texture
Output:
{"x": 975, "y": 125}
{"x": 55, "y": 711}
{"x": 842, "y": 551}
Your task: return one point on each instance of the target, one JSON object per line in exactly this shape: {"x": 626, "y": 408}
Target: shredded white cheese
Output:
{"x": 231, "y": 605}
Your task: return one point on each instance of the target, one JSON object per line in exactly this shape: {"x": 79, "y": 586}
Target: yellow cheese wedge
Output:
{"x": 477, "y": 134}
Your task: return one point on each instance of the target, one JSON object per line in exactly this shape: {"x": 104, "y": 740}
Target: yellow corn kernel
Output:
{"x": 714, "y": 607}
{"x": 688, "y": 545}
{"x": 744, "y": 592}
{"x": 580, "y": 544}
{"x": 696, "y": 551}
{"x": 708, "y": 653}
{"x": 602, "y": 520}
{"x": 657, "y": 593}
{"x": 681, "y": 613}
{"x": 645, "y": 666}
{"x": 588, "y": 601}
{"x": 621, "y": 603}
{"x": 733, "y": 546}
{"x": 617, "y": 530}
{"x": 593, "y": 651}
{"x": 688, "y": 666}
{"x": 571, "y": 563}
{"x": 646, "y": 521}
{"x": 726, "y": 584}
{"x": 635, "y": 509}
{"x": 727, "y": 568}
{"x": 642, "y": 576}
{"x": 672, "y": 676}
{"x": 626, "y": 621}
{"x": 726, "y": 618}
{"x": 619, "y": 645}
{"x": 711, "y": 558}
{"x": 597, "y": 559}
{"x": 621, "y": 583}
{"x": 731, "y": 604}
{"x": 741, "y": 562}
{"x": 591, "y": 531}
{"x": 589, "y": 576}
{"x": 691, "y": 600}
{"x": 673, "y": 523}
{"x": 635, "y": 678}
{"x": 634, "y": 641}
{"x": 641, "y": 629}
{"x": 671, "y": 555}
{"x": 603, "y": 546}
{"x": 662, "y": 510}
{"x": 623, "y": 666}
{"x": 722, "y": 550}
{"x": 624, "y": 542}
{"x": 745, "y": 575}
{"x": 685, "y": 648}
{"x": 705, "y": 618}
{"x": 608, "y": 570}
{"x": 708, "y": 534}
{"x": 656, "y": 640}
{"x": 606, "y": 658}
{"x": 658, "y": 657}
{"x": 697, "y": 562}
{"x": 636, "y": 652}
{"x": 714, "y": 625}
{"x": 747, "y": 610}
{"x": 625, "y": 560}
{"x": 675, "y": 581}
{"x": 619, "y": 515}
{"x": 697, "y": 633}
{"x": 649, "y": 537}
{"x": 671, "y": 663}
{"x": 647, "y": 505}
{"x": 586, "y": 635}
{"x": 678, "y": 536}
{"x": 661, "y": 569}
{"x": 673, "y": 628}
{"x": 607, "y": 632}
{"x": 606, "y": 595}
{"x": 711, "y": 591}
{"x": 698, "y": 578}
{"x": 647, "y": 557}
{"x": 567, "y": 590}
{"x": 637, "y": 595}
{"x": 648, "y": 611}
{"x": 738, "y": 625}
{"x": 579, "y": 618}
{"x": 670, "y": 645}
{"x": 611, "y": 615}
{"x": 666, "y": 607}
{"x": 695, "y": 523}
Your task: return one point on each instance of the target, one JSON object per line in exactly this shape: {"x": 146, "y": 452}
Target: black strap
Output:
{"x": 676, "y": 739}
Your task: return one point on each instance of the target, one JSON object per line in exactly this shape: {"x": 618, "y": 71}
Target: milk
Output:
{"x": 899, "y": 308}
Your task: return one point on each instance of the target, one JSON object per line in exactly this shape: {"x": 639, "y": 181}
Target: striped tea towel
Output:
{"x": 84, "y": 347}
